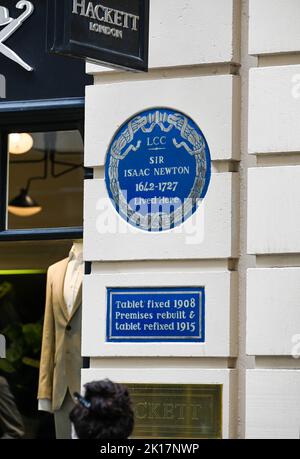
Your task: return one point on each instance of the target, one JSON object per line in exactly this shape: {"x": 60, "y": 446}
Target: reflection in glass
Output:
{"x": 46, "y": 183}
{"x": 177, "y": 410}
{"x": 22, "y": 300}
{"x": 11, "y": 423}
{"x": 18, "y": 144}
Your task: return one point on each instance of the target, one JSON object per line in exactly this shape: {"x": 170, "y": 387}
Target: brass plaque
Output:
{"x": 177, "y": 410}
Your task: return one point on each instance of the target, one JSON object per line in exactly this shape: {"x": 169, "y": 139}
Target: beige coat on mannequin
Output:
{"x": 61, "y": 360}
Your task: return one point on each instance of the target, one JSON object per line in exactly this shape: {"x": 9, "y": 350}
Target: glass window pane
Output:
{"x": 45, "y": 180}
{"x": 22, "y": 303}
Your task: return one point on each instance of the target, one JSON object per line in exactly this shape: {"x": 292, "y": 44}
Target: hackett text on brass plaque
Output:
{"x": 177, "y": 410}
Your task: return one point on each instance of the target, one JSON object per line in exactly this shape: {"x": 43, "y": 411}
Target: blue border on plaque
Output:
{"x": 155, "y": 314}
{"x": 158, "y": 169}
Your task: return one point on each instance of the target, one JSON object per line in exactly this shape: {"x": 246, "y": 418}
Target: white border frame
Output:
{"x": 220, "y": 315}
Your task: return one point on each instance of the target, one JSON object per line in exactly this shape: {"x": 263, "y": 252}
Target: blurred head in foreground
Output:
{"x": 105, "y": 412}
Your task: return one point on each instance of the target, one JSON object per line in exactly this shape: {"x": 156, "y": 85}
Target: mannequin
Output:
{"x": 61, "y": 360}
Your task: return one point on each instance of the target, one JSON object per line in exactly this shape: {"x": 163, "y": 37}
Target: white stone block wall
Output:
{"x": 273, "y": 295}
{"x": 211, "y": 101}
{"x": 168, "y": 374}
{"x": 273, "y": 311}
{"x": 273, "y": 400}
{"x": 274, "y": 109}
{"x": 233, "y": 66}
{"x": 274, "y": 210}
{"x": 274, "y": 26}
{"x": 209, "y": 233}
{"x": 194, "y": 45}
{"x": 191, "y": 32}
{"x": 220, "y": 330}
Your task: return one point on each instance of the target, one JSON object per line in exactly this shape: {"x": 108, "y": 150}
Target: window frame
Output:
{"x": 56, "y": 114}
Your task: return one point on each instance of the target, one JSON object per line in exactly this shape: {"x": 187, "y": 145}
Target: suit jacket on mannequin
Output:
{"x": 61, "y": 360}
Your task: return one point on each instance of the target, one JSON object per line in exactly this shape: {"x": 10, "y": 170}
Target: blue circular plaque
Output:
{"x": 158, "y": 169}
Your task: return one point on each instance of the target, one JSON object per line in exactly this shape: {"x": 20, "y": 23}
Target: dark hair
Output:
{"x": 105, "y": 412}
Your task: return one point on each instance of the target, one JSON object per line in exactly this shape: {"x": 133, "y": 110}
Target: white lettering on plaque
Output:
{"x": 103, "y": 14}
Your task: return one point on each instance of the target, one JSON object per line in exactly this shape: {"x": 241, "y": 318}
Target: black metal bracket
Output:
{"x": 87, "y": 268}
{"x": 40, "y": 234}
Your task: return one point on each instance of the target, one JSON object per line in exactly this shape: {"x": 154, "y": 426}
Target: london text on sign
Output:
{"x": 110, "y": 32}
{"x": 158, "y": 169}
{"x": 112, "y": 22}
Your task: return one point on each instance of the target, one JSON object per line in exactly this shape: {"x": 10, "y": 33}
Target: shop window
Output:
{"x": 22, "y": 302}
{"x": 45, "y": 180}
{"x": 42, "y": 172}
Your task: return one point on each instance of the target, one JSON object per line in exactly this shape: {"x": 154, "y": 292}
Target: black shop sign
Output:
{"x": 27, "y": 71}
{"x": 110, "y": 32}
